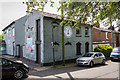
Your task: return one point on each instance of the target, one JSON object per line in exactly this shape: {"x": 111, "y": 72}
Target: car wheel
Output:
{"x": 18, "y": 74}
{"x": 103, "y": 62}
{"x": 91, "y": 64}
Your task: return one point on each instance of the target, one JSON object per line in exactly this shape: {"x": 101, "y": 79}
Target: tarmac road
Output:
{"x": 110, "y": 71}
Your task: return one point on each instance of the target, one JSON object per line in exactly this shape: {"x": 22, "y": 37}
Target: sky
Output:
{"x": 11, "y": 10}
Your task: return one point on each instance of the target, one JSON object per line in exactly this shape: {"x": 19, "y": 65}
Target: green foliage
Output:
{"x": 1, "y": 37}
{"x": 88, "y": 12}
{"x": 105, "y": 49}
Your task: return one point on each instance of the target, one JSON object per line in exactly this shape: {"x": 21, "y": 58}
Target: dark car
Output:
{"x": 13, "y": 69}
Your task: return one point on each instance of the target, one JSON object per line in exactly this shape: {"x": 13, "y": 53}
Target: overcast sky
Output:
{"x": 10, "y": 11}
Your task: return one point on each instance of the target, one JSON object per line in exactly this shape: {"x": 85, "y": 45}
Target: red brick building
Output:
{"x": 103, "y": 36}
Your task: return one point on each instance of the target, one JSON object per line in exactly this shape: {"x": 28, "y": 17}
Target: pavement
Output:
{"x": 34, "y": 66}
{"x": 31, "y": 64}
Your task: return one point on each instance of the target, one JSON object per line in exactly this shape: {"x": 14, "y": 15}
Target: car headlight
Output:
{"x": 111, "y": 55}
{"x": 87, "y": 60}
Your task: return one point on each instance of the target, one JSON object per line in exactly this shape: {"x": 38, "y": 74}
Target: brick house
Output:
{"x": 103, "y": 36}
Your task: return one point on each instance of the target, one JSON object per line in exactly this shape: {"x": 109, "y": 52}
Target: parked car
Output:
{"x": 115, "y": 54}
{"x": 91, "y": 58}
{"x": 13, "y": 69}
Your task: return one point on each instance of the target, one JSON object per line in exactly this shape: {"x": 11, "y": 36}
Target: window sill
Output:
{"x": 78, "y": 36}
{"x": 86, "y": 35}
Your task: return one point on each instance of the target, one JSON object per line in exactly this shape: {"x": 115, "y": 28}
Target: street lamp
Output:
{"x": 54, "y": 25}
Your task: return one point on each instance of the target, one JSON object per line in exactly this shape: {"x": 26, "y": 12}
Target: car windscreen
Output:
{"x": 88, "y": 55}
{"x": 116, "y": 50}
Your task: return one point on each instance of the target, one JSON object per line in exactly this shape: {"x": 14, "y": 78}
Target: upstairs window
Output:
{"x": 13, "y": 31}
{"x": 9, "y": 33}
{"x": 106, "y": 35}
{"x": 78, "y": 32}
{"x": 86, "y": 31}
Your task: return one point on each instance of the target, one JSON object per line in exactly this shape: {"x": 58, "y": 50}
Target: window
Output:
{"x": 99, "y": 54}
{"x": 6, "y": 62}
{"x": 78, "y": 32}
{"x": 13, "y": 31}
{"x": 78, "y": 48}
{"x": 106, "y": 35}
{"x": 96, "y": 55}
{"x": 9, "y": 33}
{"x": 86, "y": 47}
{"x": 4, "y": 32}
{"x": 86, "y": 31}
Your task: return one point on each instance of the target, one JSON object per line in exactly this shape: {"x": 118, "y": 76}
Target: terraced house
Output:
{"x": 43, "y": 38}
{"x": 13, "y": 35}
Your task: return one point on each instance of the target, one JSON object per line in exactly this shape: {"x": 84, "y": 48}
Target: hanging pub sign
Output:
{"x": 29, "y": 43}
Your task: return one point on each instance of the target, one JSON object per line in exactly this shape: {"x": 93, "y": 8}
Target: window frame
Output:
{"x": 78, "y": 48}
{"x": 86, "y": 47}
{"x": 87, "y": 31}
{"x": 107, "y": 35}
{"x": 79, "y": 33}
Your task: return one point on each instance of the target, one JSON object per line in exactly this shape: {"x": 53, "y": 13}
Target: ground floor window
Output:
{"x": 86, "y": 47}
{"x": 78, "y": 48}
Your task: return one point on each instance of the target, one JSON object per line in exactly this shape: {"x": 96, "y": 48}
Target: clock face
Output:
{"x": 68, "y": 31}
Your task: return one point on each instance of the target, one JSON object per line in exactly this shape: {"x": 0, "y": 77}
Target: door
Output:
{"x": 101, "y": 57}
{"x": 18, "y": 50}
{"x": 21, "y": 51}
{"x": 96, "y": 58}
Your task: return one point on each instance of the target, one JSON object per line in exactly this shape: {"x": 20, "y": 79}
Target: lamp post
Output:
{"x": 54, "y": 25}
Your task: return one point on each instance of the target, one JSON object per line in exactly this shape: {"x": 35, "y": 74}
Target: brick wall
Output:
{"x": 99, "y": 35}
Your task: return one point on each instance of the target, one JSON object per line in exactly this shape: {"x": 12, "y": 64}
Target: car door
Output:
{"x": 7, "y": 68}
{"x": 96, "y": 59}
{"x": 101, "y": 57}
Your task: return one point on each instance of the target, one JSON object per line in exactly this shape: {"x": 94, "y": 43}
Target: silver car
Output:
{"x": 91, "y": 58}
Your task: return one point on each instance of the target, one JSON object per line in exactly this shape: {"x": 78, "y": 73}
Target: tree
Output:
{"x": 93, "y": 12}
{"x": 82, "y": 13}
{"x": 1, "y": 37}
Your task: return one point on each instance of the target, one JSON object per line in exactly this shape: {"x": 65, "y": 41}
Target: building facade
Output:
{"x": 103, "y": 36}
{"x": 13, "y": 35}
{"x": 43, "y": 39}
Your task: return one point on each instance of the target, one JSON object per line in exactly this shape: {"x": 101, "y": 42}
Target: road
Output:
{"x": 110, "y": 71}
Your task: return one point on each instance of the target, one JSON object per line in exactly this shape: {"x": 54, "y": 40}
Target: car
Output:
{"x": 13, "y": 69}
{"x": 115, "y": 54}
{"x": 91, "y": 58}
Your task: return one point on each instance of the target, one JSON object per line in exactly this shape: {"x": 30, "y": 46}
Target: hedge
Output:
{"x": 105, "y": 49}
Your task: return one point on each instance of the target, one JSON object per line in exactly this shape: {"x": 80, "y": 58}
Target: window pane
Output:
{"x": 78, "y": 31}
{"x": 78, "y": 47}
{"x": 86, "y": 31}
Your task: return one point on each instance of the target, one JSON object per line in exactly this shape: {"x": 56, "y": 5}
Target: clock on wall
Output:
{"x": 68, "y": 31}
